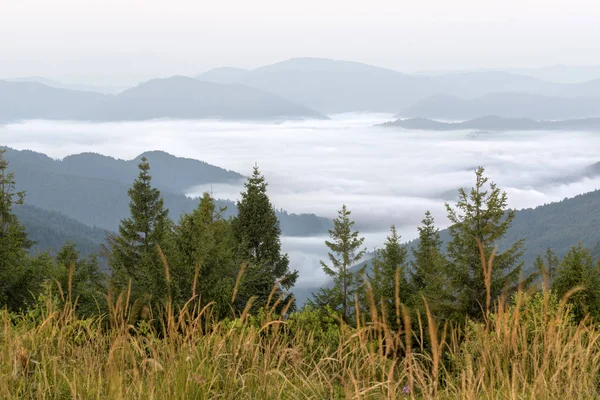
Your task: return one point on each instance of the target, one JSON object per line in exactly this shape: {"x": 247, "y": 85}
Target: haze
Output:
{"x": 126, "y": 41}
{"x": 314, "y": 166}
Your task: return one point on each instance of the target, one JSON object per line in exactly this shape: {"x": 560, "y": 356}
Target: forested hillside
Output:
{"x": 92, "y": 188}
{"x": 50, "y": 230}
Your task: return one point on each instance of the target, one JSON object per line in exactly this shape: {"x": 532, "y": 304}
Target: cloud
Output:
{"x": 385, "y": 176}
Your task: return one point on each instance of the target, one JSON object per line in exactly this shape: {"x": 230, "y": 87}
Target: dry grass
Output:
{"x": 529, "y": 349}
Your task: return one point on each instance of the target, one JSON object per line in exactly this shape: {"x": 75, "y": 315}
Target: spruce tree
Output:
{"x": 257, "y": 233}
{"x": 389, "y": 262}
{"x": 133, "y": 253}
{"x": 345, "y": 252}
{"x": 204, "y": 254}
{"x": 577, "y": 269}
{"x": 14, "y": 244}
{"x": 428, "y": 275}
{"x": 480, "y": 215}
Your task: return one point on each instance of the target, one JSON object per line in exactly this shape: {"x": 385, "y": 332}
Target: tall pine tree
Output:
{"x": 133, "y": 253}
{"x": 257, "y": 233}
{"x": 345, "y": 252}
{"x": 480, "y": 215}
{"x": 429, "y": 275}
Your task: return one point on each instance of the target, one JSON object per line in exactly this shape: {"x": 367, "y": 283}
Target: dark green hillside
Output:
{"x": 50, "y": 230}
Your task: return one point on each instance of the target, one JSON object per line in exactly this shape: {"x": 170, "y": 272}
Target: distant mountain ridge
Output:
{"x": 104, "y": 89}
{"x": 334, "y": 86}
{"x": 495, "y": 123}
{"x": 181, "y": 97}
{"x": 174, "y": 98}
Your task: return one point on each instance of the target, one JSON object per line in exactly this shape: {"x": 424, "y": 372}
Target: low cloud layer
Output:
{"x": 385, "y": 176}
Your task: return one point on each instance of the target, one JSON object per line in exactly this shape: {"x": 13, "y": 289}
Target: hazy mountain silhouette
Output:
{"x": 584, "y": 89}
{"x": 495, "y": 123}
{"x": 508, "y": 105}
{"x": 480, "y": 83}
{"x": 187, "y": 98}
{"x": 175, "y": 97}
{"x": 331, "y": 86}
{"x": 104, "y": 89}
{"x": 223, "y": 75}
{"x": 28, "y": 100}
{"x": 562, "y": 73}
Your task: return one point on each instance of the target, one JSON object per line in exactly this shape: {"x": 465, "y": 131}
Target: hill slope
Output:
{"x": 187, "y": 98}
{"x": 50, "y": 230}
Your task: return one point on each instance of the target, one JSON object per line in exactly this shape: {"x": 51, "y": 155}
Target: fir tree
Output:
{"x": 257, "y": 233}
{"x": 203, "y": 248}
{"x": 14, "y": 244}
{"x": 345, "y": 252}
{"x": 388, "y": 265}
{"x": 133, "y": 253}
{"x": 428, "y": 275}
{"x": 577, "y": 269}
{"x": 480, "y": 216}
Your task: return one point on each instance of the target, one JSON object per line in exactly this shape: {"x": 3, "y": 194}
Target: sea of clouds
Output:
{"x": 385, "y": 176}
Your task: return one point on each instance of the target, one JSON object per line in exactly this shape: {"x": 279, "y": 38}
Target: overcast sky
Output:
{"x": 125, "y": 38}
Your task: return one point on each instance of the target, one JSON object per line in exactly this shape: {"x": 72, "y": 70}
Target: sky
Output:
{"x": 124, "y": 41}
{"x": 384, "y": 176}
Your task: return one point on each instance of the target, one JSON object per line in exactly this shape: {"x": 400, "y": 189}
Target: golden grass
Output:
{"x": 531, "y": 350}
{"x": 527, "y": 349}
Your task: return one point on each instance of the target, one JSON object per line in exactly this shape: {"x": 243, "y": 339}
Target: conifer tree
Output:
{"x": 204, "y": 253}
{"x": 389, "y": 263}
{"x": 480, "y": 215}
{"x": 547, "y": 266}
{"x": 257, "y": 233}
{"x": 345, "y": 252}
{"x": 86, "y": 280}
{"x": 14, "y": 244}
{"x": 577, "y": 269}
{"x": 133, "y": 253}
{"x": 428, "y": 275}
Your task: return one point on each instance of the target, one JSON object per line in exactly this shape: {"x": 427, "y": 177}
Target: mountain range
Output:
{"x": 332, "y": 86}
{"x": 302, "y": 88}
{"x": 175, "y": 98}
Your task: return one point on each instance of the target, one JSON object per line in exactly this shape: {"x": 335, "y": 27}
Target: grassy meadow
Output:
{"x": 527, "y": 348}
